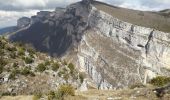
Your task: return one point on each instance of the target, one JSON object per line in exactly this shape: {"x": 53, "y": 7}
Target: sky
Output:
{"x": 11, "y": 10}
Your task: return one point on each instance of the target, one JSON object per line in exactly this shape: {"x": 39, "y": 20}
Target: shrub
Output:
{"x": 13, "y": 55}
{"x": 2, "y": 45}
{"x": 31, "y": 51}
{"x": 47, "y": 63}
{"x": 15, "y": 65}
{"x": 41, "y": 67}
{"x": 160, "y": 81}
{"x": 12, "y": 75}
{"x": 65, "y": 90}
{"x": 1, "y": 69}
{"x": 51, "y": 95}
{"x": 66, "y": 77}
{"x": 137, "y": 85}
{"x": 81, "y": 77}
{"x": 25, "y": 71}
{"x": 5, "y": 94}
{"x": 21, "y": 51}
{"x": 55, "y": 66}
{"x": 2, "y": 52}
{"x": 3, "y": 62}
{"x": 11, "y": 49}
{"x": 71, "y": 67}
{"x": 28, "y": 60}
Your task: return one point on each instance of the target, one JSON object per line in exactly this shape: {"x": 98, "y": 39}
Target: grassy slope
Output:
{"x": 154, "y": 20}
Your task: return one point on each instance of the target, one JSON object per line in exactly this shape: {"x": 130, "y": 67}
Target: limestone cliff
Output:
{"x": 114, "y": 53}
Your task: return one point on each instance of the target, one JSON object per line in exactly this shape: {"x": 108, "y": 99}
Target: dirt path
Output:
{"x": 16, "y": 98}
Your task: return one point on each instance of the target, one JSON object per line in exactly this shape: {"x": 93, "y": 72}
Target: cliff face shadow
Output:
{"x": 45, "y": 38}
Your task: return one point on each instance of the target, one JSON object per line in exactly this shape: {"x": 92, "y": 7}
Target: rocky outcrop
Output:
{"x": 123, "y": 53}
{"x": 114, "y": 53}
{"x": 23, "y": 22}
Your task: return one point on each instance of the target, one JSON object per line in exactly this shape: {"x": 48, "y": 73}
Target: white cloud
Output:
{"x": 32, "y": 4}
{"x": 9, "y": 18}
{"x": 11, "y": 10}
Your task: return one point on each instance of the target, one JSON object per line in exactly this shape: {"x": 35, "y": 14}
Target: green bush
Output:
{"x": 3, "y": 62}
{"x": 13, "y": 55}
{"x": 15, "y": 65}
{"x": 81, "y": 77}
{"x": 12, "y": 75}
{"x": 28, "y": 60}
{"x": 55, "y": 66}
{"x": 25, "y": 71}
{"x": 160, "y": 81}
{"x": 66, "y": 77}
{"x": 51, "y": 95}
{"x": 2, "y": 44}
{"x": 1, "y": 69}
{"x": 31, "y": 51}
{"x": 2, "y": 52}
{"x": 11, "y": 49}
{"x": 21, "y": 52}
{"x": 47, "y": 63}
{"x": 66, "y": 90}
{"x": 137, "y": 85}
{"x": 71, "y": 67}
{"x": 41, "y": 67}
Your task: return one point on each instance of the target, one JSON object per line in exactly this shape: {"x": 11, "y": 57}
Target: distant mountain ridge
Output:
{"x": 7, "y": 30}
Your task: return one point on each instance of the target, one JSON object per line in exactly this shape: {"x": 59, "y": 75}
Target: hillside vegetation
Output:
{"x": 24, "y": 71}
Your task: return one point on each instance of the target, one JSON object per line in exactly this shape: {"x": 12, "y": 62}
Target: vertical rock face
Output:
{"x": 114, "y": 53}
{"x": 118, "y": 54}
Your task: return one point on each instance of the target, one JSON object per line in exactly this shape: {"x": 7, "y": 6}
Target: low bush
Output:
{"x": 47, "y": 63}
{"x": 137, "y": 85}
{"x": 1, "y": 69}
{"x": 160, "y": 81}
{"x": 51, "y": 95}
{"x": 81, "y": 77}
{"x": 13, "y": 55}
{"x": 21, "y": 52}
{"x": 55, "y": 66}
{"x": 3, "y": 62}
{"x": 41, "y": 67}
{"x": 2, "y": 52}
{"x": 12, "y": 76}
{"x": 71, "y": 66}
{"x": 64, "y": 90}
{"x": 28, "y": 60}
{"x": 25, "y": 71}
{"x": 15, "y": 65}
{"x": 11, "y": 49}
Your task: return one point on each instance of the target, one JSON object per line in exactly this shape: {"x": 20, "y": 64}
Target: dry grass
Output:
{"x": 16, "y": 98}
{"x": 93, "y": 94}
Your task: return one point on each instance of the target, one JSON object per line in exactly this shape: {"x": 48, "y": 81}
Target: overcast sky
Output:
{"x": 11, "y": 10}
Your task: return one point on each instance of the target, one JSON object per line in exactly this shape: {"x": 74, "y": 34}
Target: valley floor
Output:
{"x": 93, "y": 94}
